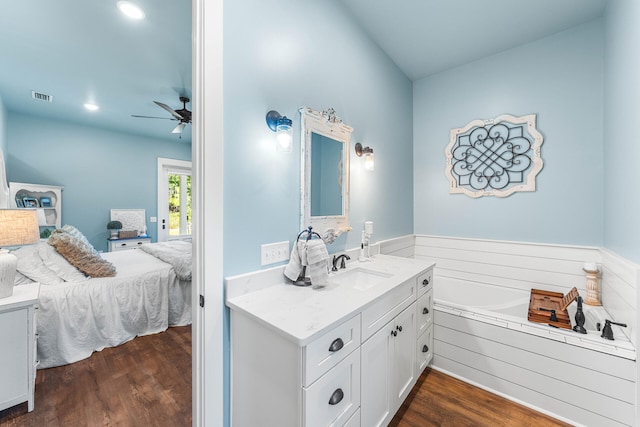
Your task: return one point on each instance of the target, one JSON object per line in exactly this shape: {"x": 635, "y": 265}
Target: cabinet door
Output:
{"x": 376, "y": 378}
{"x": 404, "y": 356}
{"x": 14, "y": 357}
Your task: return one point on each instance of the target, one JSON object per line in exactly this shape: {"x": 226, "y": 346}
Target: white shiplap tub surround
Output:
{"x": 584, "y": 380}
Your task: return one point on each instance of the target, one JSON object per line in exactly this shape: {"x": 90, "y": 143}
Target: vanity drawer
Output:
{"x": 425, "y": 282}
{"x": 335, "y": 397}
{"x": 424, "y": 311}
{"x": 387, "y": 307}
{"x": 326, "y": 351}
{"x": 424, "y": 349}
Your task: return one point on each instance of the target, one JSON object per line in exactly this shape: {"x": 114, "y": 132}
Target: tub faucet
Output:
{"x": 607, "y": 332}
{"x": 580, "y": 319}
{"x": 342, "y": 264}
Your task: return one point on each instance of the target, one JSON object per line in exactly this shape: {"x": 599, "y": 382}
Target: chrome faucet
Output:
{"x": 336, "y": 258}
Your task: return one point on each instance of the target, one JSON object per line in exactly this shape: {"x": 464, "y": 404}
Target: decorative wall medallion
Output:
{"x": 494, "y": 157}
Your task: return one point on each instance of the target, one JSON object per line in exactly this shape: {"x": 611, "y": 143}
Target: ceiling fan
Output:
{"x": 183, "y": 116}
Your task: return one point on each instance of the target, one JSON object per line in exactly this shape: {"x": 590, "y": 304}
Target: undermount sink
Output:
{"x": 359, "y": 278}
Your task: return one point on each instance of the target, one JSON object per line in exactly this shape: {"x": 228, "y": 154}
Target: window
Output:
{"x": 174, "y": 199}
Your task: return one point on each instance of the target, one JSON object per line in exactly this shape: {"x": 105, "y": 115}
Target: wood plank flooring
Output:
{"x": 147, "y": 382}
{"x": 144, "y": 382}
{"x": 439, "y": 400}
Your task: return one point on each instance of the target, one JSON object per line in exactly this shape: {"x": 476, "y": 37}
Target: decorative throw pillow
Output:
{"x": 30, "y": 264}
{"x": 81, "y": 254}
{"x": 58, "y": 264}
{"x": 74, "y": 232}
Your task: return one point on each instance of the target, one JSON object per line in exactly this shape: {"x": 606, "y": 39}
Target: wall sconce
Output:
{"x": 281, "y": 125}
{"x": 368, "y": 156}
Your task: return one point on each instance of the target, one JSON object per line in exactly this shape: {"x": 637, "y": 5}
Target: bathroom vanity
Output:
{"x": 345, "y": 354}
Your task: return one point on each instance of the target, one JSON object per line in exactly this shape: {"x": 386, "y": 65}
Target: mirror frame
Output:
{"x": 327, "y": 124}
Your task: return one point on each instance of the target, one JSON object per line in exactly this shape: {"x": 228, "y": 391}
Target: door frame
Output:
{"x": 208, "y": 391}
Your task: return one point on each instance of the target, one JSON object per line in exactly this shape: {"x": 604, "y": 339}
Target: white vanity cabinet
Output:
{"x": 388, "y": 368}
{"x": 277, "y": 383}
{"x": 336, "y": 355}
{"x": 424, "y": 315}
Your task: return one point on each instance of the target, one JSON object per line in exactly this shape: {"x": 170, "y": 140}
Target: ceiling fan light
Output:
{"x": 178, "y": 129}
{"x": 131, "y": 10}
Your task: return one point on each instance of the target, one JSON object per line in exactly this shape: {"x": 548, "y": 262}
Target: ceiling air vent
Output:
{"x": 41, "y": 96}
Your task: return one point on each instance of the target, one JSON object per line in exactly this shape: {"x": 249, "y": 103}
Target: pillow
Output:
{"x": 74, "y": 232}
{"x": 21, "y": 279}
{"x": 81, "y": 254}
{"x": 58, "y": 264}
{"x": 30, "y": 264}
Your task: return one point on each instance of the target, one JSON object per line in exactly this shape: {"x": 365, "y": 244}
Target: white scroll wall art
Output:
{"x": 494, "y": 157}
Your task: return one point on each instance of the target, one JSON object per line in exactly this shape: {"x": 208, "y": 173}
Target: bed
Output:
{"x": 149, "y": 291}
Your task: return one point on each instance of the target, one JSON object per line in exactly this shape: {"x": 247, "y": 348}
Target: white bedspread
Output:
{"x": 77, "y": 318}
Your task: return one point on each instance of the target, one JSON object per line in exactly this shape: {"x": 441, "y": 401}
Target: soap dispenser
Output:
{"x": 365, "y": 246}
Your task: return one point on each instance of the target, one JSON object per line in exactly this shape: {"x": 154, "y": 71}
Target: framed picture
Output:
{"x": 19, "y": 203}
{"x": 45, "y": 202}
{"x": 30, "y": 202}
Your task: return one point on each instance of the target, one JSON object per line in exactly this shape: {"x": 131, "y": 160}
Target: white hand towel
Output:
{"x": 294, "y": 268}
{"x": 318, "y": 262}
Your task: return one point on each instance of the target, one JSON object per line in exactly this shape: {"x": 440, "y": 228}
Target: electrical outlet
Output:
{"x": 274, "y": 252}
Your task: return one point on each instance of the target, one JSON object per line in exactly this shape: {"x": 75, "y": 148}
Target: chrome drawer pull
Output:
{"x": 425, "y": 349}
{"x": 336, "y": 345}
{"x": 336, "y": 397}
{"x": 425, "y": 310}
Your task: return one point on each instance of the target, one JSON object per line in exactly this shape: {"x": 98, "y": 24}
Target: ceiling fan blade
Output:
{"x": 153, "y": 117}
{"x": 169, "y": 109}
{"x": 179, "y": 128}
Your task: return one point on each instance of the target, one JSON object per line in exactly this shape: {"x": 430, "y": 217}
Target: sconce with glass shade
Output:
{"x": 17, "y": 227}
{"x": 282, "y": 126}
{"x": 369, "y": 163}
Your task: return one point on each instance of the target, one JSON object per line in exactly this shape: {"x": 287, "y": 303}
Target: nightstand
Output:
{"x": 126, "y": 244}
{"x": 18, "y": 350}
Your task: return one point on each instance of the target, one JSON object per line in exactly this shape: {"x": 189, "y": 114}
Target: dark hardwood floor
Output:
{"x": 147, "y": 382}
{"x": 144, "y": 382}
{"x": 439, "y": 400}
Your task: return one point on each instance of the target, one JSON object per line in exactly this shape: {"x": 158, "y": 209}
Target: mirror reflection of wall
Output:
{"x": 326, "y": 176}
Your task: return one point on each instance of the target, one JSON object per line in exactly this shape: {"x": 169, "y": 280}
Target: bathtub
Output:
{"x": 508, "y": 307}
{"x": 482, "y": 336}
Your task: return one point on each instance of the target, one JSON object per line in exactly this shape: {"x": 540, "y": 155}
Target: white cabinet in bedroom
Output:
{"x": 45, "y": 199}
{"x": 127, "y": 244}
{"x": 18, "y": 350}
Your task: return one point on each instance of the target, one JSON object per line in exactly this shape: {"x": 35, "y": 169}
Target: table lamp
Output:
{"x": 17, "y": 227}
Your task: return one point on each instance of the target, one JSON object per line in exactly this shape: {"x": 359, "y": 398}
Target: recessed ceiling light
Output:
{"x": 131, "y": 10}
{"x": 91, "y": 107}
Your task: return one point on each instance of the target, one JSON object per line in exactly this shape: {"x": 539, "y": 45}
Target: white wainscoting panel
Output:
{"x": 510, "y": 264}
{"x": 619, "y": 288}
{"x": 576, "y": 384}
{"x": 399, "y": 246}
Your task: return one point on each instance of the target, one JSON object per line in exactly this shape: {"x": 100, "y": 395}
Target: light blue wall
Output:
{"x": 3, "y": 129}
{"x": 99, "y": 169}
{"x": 284, "y": 55}
{"x": 621, "y": 118}
{"x": 559, "y": 78}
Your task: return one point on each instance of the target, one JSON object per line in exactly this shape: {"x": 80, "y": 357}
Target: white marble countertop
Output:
{"x": 302, "y": 313}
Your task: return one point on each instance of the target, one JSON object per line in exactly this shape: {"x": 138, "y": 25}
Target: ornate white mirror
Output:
{"x": 325, "y": 173}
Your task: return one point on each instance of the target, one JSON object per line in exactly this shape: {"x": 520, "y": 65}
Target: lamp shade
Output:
{"x": 18, "y": 227}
